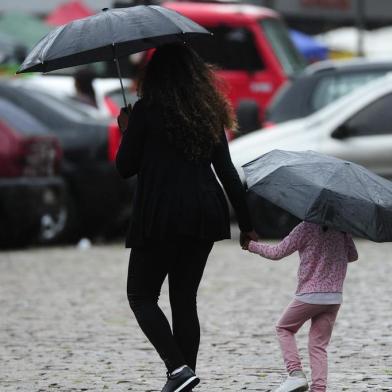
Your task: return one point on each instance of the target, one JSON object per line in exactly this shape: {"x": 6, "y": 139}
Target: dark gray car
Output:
{"x": 31, "y": 191}
{"x": 321, "y": 84}
{"x": 97, "y": 198}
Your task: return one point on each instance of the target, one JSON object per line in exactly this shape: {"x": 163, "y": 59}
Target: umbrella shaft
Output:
{"x": 121, "y": 83}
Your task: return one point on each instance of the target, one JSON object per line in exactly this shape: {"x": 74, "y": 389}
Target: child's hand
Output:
{"x": 247, "y": 236}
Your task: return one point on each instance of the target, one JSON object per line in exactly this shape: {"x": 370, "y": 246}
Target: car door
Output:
{"x": 366, "y": 138}
{"x": 234, "y": 50}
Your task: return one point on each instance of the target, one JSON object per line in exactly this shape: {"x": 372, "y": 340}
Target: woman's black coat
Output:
{"x": 175, "y": 196}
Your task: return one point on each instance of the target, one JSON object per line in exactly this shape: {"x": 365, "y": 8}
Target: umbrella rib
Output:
{"x": 109, "y": 23}
{"x": 160, "y": 13}
{"x": 50, "y": 42}
{"x": 354, "y": 172}
{"x": 367, "y": 192}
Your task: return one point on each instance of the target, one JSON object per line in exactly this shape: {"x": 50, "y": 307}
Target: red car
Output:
{"x": 31, "y": 193}
{"x": 251, "y": 47}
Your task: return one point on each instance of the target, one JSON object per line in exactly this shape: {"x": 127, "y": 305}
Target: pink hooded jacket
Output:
{"x": 324, "y": 256}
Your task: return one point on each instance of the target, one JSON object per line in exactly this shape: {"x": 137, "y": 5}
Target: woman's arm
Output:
{"x": 294, "y": 241}
{"x": 231, "y": 182}
{"x": 352, "y": 253}
{"x": 129, "y": 153}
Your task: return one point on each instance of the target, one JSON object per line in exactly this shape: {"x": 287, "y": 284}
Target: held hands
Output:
{"x": 246, "y": 237}
{"x": 123, "y": 118}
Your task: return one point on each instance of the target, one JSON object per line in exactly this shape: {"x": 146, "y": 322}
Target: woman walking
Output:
{"x": 174, "y": 133}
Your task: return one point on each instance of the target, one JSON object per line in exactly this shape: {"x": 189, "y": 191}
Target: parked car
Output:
{"x": 252, "y": 49}
{"x": 97, "y": 198}
{"x": 107, "y": 91}
{"x": 319, "y": 85}
{"x": 32, "y": 205}
{"x": 357, "y": 127}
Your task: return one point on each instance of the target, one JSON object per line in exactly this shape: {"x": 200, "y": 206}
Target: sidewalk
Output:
{"x": 66, "y": 324}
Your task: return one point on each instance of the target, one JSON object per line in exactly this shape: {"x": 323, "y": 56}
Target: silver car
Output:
{"x": 357, "y": 127}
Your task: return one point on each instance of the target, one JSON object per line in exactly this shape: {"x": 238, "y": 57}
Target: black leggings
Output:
{"x": 183, "y": 261}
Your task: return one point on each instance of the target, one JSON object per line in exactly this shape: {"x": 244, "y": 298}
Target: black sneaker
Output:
{"x": 182, "y": 381}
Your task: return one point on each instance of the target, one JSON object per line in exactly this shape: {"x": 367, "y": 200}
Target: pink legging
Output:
{"x": 322, "y": 320}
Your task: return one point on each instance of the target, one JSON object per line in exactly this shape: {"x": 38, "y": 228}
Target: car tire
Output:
{"x": 60, "y": 224}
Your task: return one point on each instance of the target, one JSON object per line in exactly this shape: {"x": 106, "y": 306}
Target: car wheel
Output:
{"x": 53, "y": 225}
{"x": 59, "y": 224}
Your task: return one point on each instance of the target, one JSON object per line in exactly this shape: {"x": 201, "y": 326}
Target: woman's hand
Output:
{"x": 123, "y": 118}
{"x": 253, "y": 235}
{"x": 246, "y": 237}
{"x": 245, "y": 245}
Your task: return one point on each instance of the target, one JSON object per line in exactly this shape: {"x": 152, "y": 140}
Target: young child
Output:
{"x": 324, "y": 254}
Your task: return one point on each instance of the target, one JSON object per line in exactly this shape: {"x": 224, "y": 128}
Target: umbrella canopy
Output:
{"x": 24, "y": 28}
{"x": 68, "y": 12}
{"x": 325, "y": 190}
{"x": 311, "y": 49}
{"x": 108, "y": 35}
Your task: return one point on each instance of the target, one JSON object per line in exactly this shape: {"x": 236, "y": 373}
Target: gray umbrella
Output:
{"x": 321, "y": 189}
{"x": 109, "y": 35}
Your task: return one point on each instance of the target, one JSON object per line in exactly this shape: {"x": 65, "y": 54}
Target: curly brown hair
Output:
{"x": 195, "y": 111}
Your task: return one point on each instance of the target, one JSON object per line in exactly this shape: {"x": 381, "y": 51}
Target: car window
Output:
{"x": 54, "y": 109}
{"x": 20, "y": 120}
{"x": 283, "y": 105}
{"x": 289, "y": 57}
{"x": 232, "y": 48}
{"x": 54, "y": 112}
{"x": 70, "y": 108}
{"x": 375, "y": 119}
{"x": 330, "y": 88}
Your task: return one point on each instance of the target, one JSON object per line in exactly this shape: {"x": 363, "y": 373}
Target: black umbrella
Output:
{"x": 109, "y": 35}
{"x": 325, "y": 190}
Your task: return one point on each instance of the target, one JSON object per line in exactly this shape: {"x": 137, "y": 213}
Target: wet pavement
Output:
{"x": 66, "y": 324}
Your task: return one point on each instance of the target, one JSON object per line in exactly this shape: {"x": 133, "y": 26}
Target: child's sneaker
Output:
{"x": 295, "y": 382}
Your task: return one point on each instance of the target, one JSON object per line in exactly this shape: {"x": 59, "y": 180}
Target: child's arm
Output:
{"x": 352, "y": 253}
{"x": 286, "y": 247}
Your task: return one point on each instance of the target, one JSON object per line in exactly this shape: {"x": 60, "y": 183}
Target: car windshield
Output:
{"x": 20, "y": 120}
{"x": 277, "y": 35}
{"x": 233, "y": 48}
{"x": 335, "y": 86}
{"x": 71, "y": 109}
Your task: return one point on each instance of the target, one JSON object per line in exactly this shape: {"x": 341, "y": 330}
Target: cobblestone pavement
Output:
{"x": 66, "y": 325}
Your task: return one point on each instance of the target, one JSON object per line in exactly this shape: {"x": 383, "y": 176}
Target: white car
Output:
{"x": 104, "y": 89}
{"x": 357, "y": 127}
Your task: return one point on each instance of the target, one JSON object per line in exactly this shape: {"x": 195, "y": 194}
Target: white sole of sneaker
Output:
{"x": 190, "y": 383}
